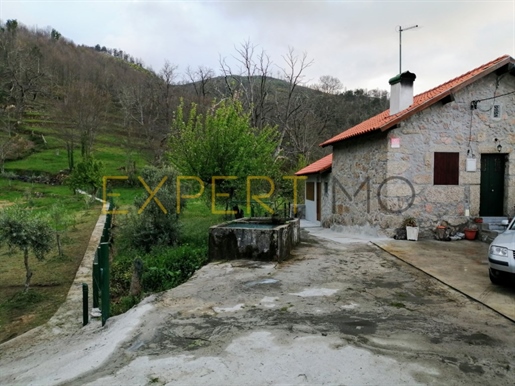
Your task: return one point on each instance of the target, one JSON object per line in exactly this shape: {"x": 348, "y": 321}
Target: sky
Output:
{"x": 354, "y": 41}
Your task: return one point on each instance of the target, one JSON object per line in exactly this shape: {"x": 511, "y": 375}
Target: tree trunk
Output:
{"x": 59, "y": 247}
{"x": 137, "y": 273}
{"x": 69, "y": 151}
{"x": 28, "y": 274}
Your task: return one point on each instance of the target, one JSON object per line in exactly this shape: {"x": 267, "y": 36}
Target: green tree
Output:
{"x": 11, "y": 25}
{"x": 87, "y": 175}
{"x": 55, "y": 35}
{"x": 26, "y": 231}
{"x": 59, "y": 222}
{"x": 222, "y": 143}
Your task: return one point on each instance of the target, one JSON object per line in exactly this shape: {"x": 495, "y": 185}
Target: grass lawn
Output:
{"x": 50, "y": 160}
{"x": 39, "y": 195}
{"x": 115, "y": 159}
{"x": 52, "y": 277}
{"x": 195, "y": 220}
{"x": 51, "y": 280}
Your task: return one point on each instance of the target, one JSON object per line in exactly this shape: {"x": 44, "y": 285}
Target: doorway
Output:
{"x": 491, "y": 199}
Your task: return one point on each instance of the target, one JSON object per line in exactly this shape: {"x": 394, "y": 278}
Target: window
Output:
{"x": 446, "y": 169}
{"x": 310, "y": 191}
{"x": 326, "y": 188}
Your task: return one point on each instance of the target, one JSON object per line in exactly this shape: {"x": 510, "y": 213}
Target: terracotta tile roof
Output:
{"x": 384, "y": 120}
{"x": 319, "y": 166}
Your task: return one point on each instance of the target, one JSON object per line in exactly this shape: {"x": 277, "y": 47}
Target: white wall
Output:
{"x": 311, "y": 207}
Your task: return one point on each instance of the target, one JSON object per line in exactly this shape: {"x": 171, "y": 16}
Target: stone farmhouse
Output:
{"x": 446, "y": 154}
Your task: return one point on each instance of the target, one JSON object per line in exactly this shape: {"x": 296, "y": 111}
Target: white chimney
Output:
{"x": 401, "y": 95}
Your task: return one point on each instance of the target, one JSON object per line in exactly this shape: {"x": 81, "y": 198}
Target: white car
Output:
{"x": 501, "y": 255}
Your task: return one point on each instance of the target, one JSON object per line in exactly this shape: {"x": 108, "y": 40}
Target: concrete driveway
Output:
{"x": 338, "y": 312}
{"x": 462, "y": 265}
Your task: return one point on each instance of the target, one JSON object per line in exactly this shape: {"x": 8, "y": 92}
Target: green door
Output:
{"x": 492, "y": 185}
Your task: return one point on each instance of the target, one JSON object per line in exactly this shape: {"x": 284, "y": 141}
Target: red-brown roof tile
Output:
{"x": 384, "y": 120}
{"x": 319, "y": 166}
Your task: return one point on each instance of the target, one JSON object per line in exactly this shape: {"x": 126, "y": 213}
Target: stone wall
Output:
{"x": 359, "y": 168}
{"x": 327, "y": 199}
{"x": 272, "y": 244}
{"x": 406, "y": 173}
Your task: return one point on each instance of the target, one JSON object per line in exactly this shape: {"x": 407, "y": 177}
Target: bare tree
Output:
{"x": 168, "y": 74}
{"x": 83, "y": 108}
{"x": 251, "y": 82}
{"x": 145, "y": 113}
{"x": 22, "y": 65}
{"x": 292, "y": 102}
{"x": 328, "y": 84}
{"x": 200, "y": 79}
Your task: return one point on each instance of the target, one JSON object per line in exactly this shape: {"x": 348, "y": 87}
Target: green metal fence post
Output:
{"x": 109, "y": 219}
{"x": 104, "y": 252}
{"x": 84, "y": 304}
{"x": 96, "y": 280}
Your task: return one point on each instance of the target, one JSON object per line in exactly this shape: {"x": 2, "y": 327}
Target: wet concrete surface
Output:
{"x": 335, "y": 313}
{"x": 462, "y": 264}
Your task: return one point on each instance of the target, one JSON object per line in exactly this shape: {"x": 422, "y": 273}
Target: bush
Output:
{"x": 163, "y": 268}
{"x": 87, "y": 175}
{"x": 166, "y": 268}
{"x": 145, "y": 229}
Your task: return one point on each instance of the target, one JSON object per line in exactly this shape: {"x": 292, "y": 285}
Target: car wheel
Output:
{"x": 495, "y": 277}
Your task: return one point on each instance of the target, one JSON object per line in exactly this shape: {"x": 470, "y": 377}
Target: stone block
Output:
{"x": 474, "y": 200}
{"x": 445, "y": 194}
{"x": 423, "y": 179}
{"x": 470, "y": 178}
{"x": 398, "y": 167}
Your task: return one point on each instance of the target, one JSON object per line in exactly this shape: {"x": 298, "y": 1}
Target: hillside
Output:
{"x": 60, "y": 101}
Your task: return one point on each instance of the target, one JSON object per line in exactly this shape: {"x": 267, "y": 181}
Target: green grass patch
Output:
{"x": 23, "y": 300}
{"x": 115, "y": 160}
{"x": 124, "y": 196}
{"x": 51, "y": 280}
{"x": 195, "y": 220}
{"x": 46, "y": 161}
{"x": 41, "y": 195}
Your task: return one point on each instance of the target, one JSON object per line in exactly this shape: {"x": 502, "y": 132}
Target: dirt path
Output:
{"x": 335, "y": 313}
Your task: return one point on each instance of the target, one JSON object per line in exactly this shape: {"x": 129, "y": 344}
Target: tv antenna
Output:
{"x": 401, "y": 30}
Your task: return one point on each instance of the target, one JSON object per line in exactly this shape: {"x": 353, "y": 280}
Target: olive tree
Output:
{"x": 22, "y": 229}
{"x": 59, "y": 222}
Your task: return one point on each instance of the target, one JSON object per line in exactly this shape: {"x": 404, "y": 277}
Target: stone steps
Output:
{"x": 490, "y": 228}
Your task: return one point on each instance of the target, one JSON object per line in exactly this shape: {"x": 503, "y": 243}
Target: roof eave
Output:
{"x": 408, "y": 113}
{"x": 442, "y": 95}
{"x": 325, "y": 170}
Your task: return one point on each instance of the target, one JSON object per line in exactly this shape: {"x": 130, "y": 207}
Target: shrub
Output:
{"x": 163, "y": 268}
{"x": 87, "y": 175}
{"x": 166, "y": 268}
{"x": 144, "y": 229}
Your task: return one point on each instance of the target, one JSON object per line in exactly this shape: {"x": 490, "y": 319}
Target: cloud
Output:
{"x": 354, "y": 41}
